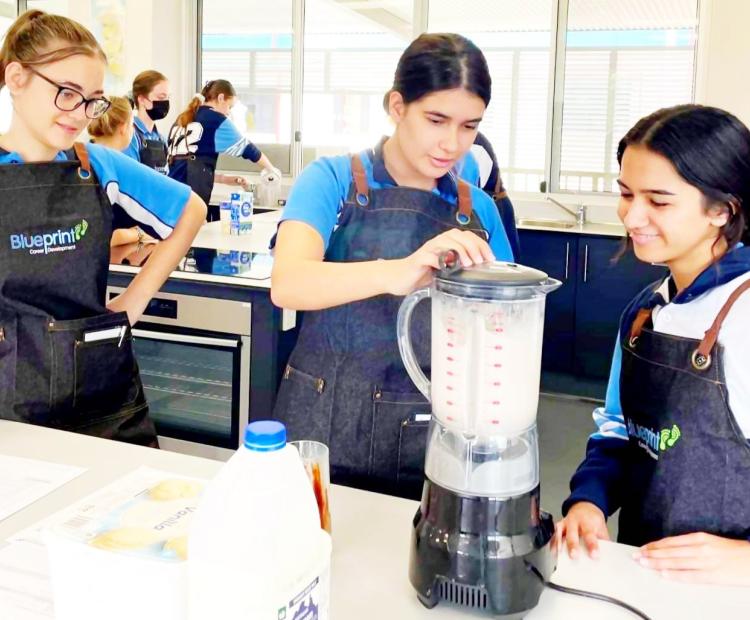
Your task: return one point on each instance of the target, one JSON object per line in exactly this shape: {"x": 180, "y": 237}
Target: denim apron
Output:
{"x": 152, "y": 153}
{"x": 345, "y": 384}
{"x": 689, "y": 462}
{"x": 65, "y": 361}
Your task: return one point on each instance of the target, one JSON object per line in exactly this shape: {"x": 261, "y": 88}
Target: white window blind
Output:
{"x": 623, "y": 60}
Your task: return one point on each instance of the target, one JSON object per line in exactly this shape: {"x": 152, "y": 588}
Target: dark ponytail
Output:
{"x": 710, "y": 149}
{"x": 435, "y": 62}
{"x": 210, "y": 92}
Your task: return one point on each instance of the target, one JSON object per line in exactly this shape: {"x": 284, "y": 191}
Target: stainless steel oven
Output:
{"x": 194, "y": 357}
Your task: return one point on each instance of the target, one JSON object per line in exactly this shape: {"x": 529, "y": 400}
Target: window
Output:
{"x": 623, "y": 60}
{"x": 249, "y": 43}
{"x": 570, "y": 77}
{"x": 350, "y": 54}
{"x": 516, "y": 39}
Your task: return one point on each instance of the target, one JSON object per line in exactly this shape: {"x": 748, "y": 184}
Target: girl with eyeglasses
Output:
{"x": 150, "y": 98}
{"x": 66, "y": 358}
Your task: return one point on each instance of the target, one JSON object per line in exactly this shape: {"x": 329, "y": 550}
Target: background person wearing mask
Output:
{"x": 151, "y": 102}
{"x": 66, "y": 355}
{"x": 204, "y": 131}
{"x": 360, "y": 231}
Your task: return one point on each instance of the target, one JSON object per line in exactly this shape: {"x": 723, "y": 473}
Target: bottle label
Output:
{"x": 309, "y": 604}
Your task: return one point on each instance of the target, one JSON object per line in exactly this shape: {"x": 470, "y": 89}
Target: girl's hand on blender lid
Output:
{"x": 404, "y": 275}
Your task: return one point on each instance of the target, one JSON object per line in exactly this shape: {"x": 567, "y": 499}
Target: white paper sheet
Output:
{"x": 24, "y": 481}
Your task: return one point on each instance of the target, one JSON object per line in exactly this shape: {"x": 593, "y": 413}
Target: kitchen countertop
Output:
{"x": 371, "y": 536}
{"x": 604, "y": 229}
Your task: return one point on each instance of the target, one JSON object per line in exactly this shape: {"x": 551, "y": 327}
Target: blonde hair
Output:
{"x": 144, "y": 83}
{"x": 210, "y": 92}
{"x": 120, "y": 113}
{"x": 38, "y": 38}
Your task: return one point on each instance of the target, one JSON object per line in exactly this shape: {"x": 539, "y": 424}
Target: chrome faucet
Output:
{"x": 579, "y": 213}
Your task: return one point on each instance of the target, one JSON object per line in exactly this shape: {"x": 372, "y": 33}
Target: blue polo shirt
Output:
{"x": 150, "y": 198}
{"x": 321, "y": 190}
{"x": 133, "y": 149}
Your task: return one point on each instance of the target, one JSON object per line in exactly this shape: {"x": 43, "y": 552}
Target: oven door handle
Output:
{"x": 169, "y": 337}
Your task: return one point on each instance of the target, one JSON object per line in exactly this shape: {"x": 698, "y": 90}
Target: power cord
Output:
{"x": 586, "y": 594}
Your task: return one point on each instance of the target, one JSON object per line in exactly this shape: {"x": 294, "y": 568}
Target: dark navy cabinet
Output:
{"x": 582, "y": 316}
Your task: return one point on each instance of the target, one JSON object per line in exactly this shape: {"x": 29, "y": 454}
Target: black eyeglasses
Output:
{"x": 69, "y": 99}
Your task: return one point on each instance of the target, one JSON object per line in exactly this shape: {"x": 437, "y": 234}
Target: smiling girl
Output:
{"x": 66, "y": 360}
{"x": 360, "y": 231}
{"x": 671, "y": 450}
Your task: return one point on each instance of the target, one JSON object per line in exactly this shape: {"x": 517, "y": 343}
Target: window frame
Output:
{"x": 556, "y": 85}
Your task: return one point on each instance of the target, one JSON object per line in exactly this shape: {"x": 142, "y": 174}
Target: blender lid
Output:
{"x": 495, "y": 273}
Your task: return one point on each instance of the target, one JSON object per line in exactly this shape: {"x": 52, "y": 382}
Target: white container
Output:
{"x": 256, "y": 548}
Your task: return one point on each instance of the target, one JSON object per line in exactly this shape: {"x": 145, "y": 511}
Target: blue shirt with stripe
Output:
{"x": 150, "y": 198}
{"x": 598, "y": 478}
{"x": 210, "y": 134}
{"x": 321, "y": 190}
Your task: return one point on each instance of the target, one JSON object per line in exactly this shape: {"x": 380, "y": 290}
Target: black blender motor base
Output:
{"x": 478, "y": 552}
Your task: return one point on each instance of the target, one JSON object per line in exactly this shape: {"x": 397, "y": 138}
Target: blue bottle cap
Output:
{"x": 265, "y": 436}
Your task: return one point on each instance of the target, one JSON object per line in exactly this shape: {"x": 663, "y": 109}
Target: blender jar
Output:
{"x": 487, "y": 325}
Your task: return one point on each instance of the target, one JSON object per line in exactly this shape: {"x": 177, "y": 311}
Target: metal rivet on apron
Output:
{"x": 287, "y": 371}
{"x": 51, "y": 324}
{"x": 632, "y": 341}
{"x": 378, "y": 394}
{"x": 84, "y": 174}
{"x": 462, "y": 218}
{"x": 2, "y": 334}
{"x": 362, "y": 200}
{"x": 700, "y": 361}
{"x": 321, "y": 385}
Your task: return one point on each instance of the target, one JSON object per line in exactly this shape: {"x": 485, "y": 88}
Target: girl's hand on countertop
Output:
{"x": 699, "y": 558}
{"x": 584, "y": 521}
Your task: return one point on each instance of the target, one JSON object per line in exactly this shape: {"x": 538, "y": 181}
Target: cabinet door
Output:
{"x": 555, "y": 254}
{"x": 604, "y": 288}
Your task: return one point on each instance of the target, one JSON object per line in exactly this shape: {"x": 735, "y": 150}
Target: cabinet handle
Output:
{"x": 567, "y": 258}
{"x": 585, "y": 262}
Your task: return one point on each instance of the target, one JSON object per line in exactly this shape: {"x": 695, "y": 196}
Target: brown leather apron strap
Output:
{"x": 643, "y": 316}
{"x": 499, "y": 193}
{"x": 463, "y": 216}
{"x": 702, "y": 355}
{"x": 83, "y": 157}
{"x": 360, "y": 181}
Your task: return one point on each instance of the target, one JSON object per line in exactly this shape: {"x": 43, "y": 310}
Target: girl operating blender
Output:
{"x": 671, "y": 450}
{"x": 66, "y": 358}
{"x": 357, "y": 233}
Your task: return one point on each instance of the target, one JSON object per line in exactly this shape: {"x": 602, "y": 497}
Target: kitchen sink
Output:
{"x": 527, "y": 221}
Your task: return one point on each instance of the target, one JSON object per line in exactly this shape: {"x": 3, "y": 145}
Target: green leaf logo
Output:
{"x": 77, "y": 231}
{"x": 84, "y": 227}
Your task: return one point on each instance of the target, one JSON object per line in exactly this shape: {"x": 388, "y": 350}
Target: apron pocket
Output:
{"x": 399, "y": 439}
{"x": 93, "y": 367}
{"x": 303, "y": 404}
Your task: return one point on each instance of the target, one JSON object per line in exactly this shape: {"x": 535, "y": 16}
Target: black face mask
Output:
{"x": 159, "y": 110}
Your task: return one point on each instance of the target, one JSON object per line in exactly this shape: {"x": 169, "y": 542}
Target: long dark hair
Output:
{"x": 210, "y": 92}
{"x": 435, "y": 62}
{"x": 710, "y": 149}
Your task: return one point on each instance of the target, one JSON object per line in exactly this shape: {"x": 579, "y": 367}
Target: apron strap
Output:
{"x": 499, "y": 193}
{"x": 84, "y": 169}
{"x": 463, "y": 216}
{"x": 643, "y": 317}
{"x": 702, "y": 355}
{"x": 360, "y": 182}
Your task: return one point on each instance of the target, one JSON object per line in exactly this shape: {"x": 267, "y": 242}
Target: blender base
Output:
{"x": 476, "y": 552}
